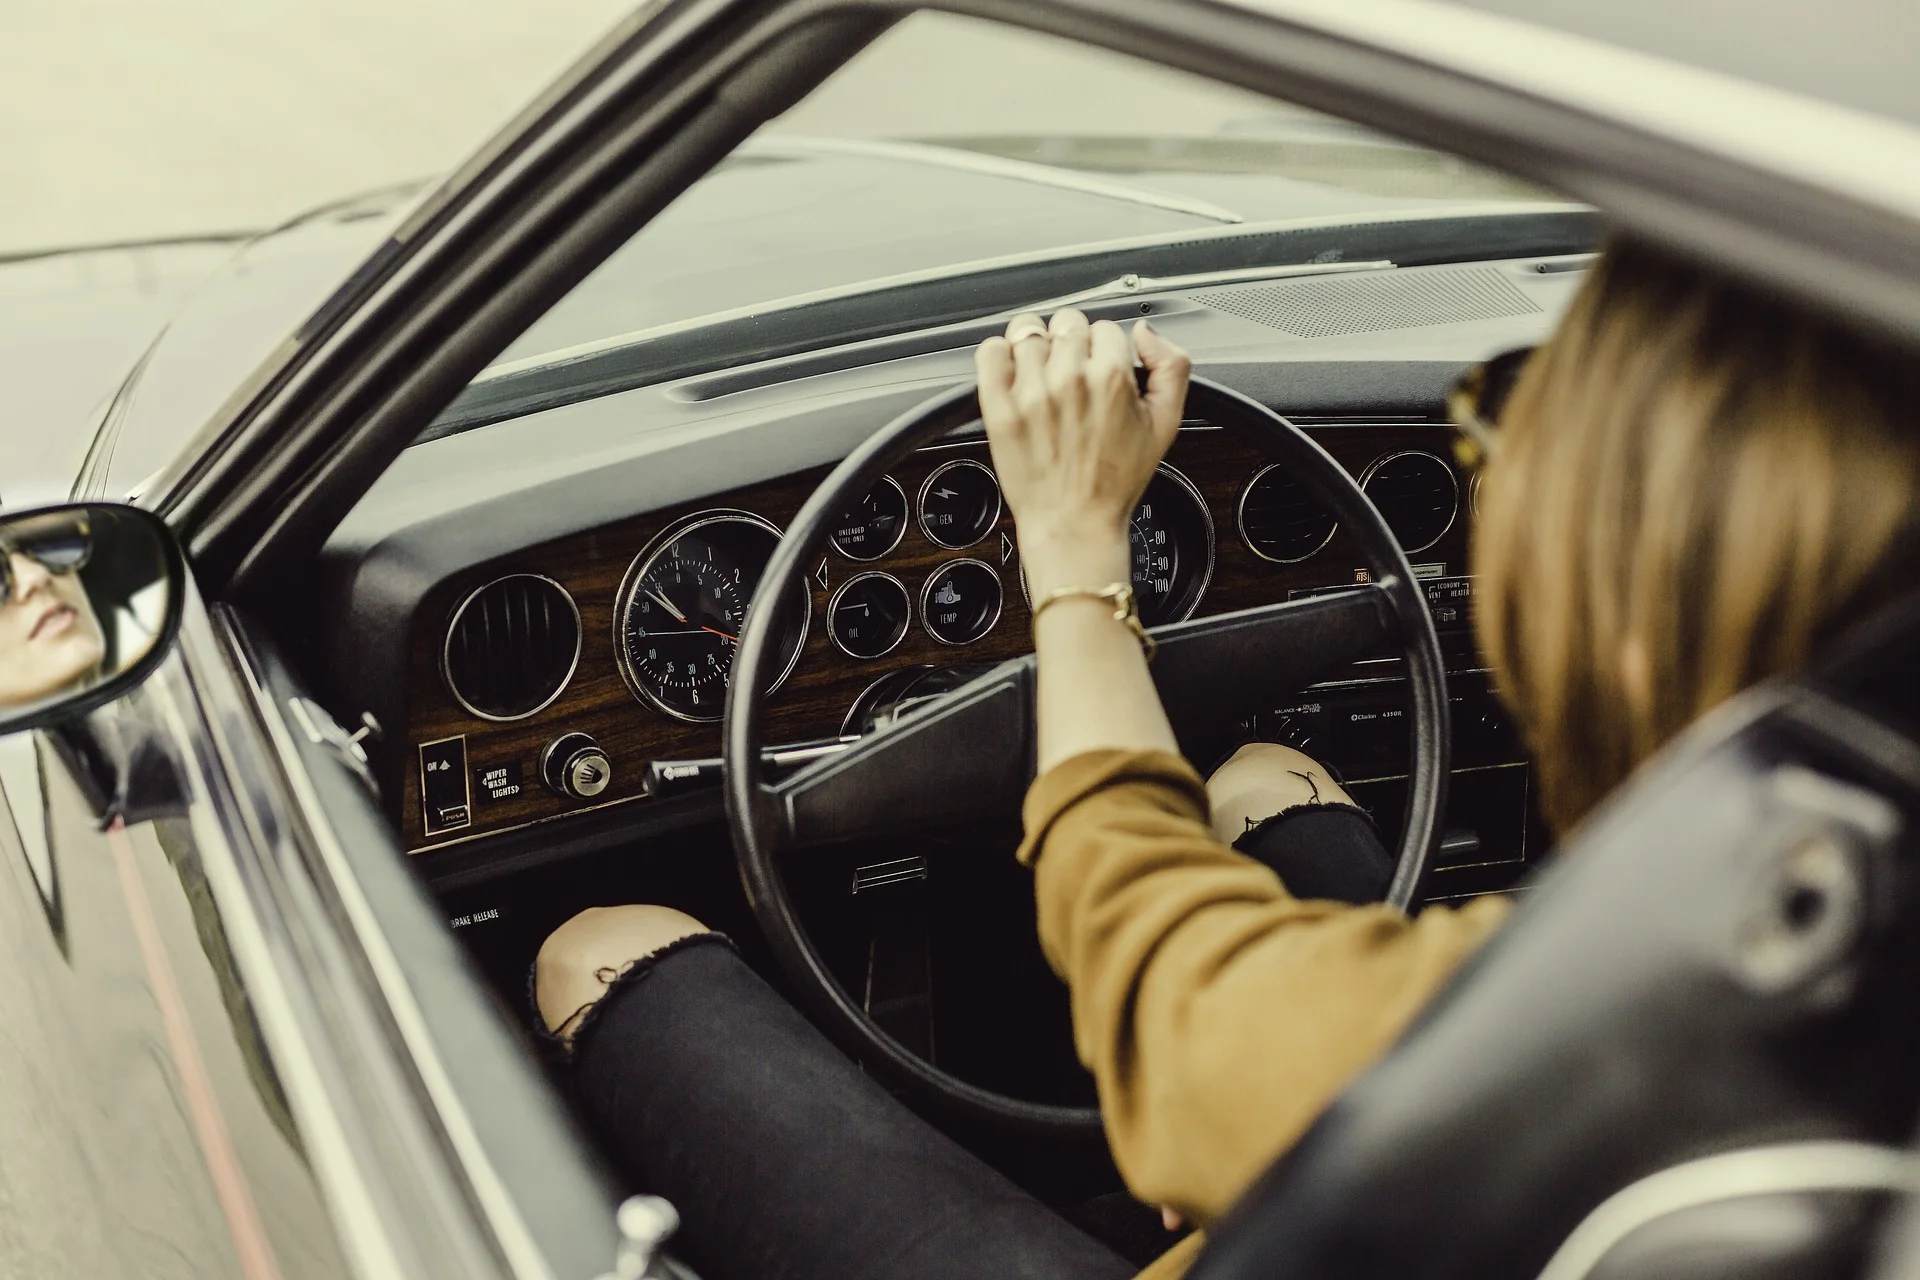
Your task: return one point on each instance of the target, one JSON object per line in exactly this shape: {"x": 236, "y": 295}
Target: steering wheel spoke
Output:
{"x": 947, "y": 762}
{"x": 1210, "y": 670}
{"x": 970, "y": 753}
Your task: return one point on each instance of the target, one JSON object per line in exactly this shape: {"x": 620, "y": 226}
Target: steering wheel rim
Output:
{"x": 754, "y": 822}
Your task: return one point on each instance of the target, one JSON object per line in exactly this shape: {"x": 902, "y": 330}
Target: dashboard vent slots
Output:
{"x": 512, "y": 646}
{"x": 1281, "y": 519}
{"x": 1417, "y": 496}
{"x": 1331, "y": 306}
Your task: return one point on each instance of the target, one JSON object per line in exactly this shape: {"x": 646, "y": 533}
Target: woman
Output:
{"x": 1694, "y": 486}
{"x": 50, "y": 635}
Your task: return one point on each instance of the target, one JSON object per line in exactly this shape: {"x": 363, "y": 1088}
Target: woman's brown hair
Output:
{"x": 1694, "y": 485}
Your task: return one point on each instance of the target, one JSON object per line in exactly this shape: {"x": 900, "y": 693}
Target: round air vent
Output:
{"x": 512, "y": 646}
{"x": 1280, "y": 518}
{"x": 1417, "y": 496}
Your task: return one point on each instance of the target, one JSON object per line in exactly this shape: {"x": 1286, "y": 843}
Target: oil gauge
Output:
{"x": 869, "y": 615}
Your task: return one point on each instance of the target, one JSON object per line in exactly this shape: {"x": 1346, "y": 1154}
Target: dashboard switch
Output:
{"x": 574, "y": 765}
{"x": 444, "y": 802}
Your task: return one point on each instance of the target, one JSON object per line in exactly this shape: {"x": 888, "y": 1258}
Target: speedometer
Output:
{"x": 1170, "y": 551}
{"x": 678, "y": 618}
{"x": 1170, "y": 544}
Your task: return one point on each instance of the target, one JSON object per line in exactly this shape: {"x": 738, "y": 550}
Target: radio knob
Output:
{"x": 574, "y": 765}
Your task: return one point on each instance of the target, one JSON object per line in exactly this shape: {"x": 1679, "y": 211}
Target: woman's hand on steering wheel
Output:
{"x": 1075, "y": 440}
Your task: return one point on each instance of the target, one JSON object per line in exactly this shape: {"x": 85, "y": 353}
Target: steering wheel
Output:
{"x": 973, "y": 749}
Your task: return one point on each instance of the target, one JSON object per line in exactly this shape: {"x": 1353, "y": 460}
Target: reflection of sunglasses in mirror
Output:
{"x": 57, "y": 543}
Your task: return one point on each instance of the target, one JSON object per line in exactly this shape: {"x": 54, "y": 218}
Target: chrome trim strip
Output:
{"x": 987, "y": 165}
{"x": 295, "y": 1043}
{"x": 1384, "y": 459}
{"x": 906, "y": 623}
{"x": 1240, "y": 522}
{"x": 906, "y": 514}
{"x": 636, "y": 571}
{"x": 920, "y": 503}
{"x": 453, "y": 623}
{"x": 522, "y": 1254}
{"x": 1757, "y": 1171}
{"x": 998, "y": 609}
{"x": 959, "y": 271}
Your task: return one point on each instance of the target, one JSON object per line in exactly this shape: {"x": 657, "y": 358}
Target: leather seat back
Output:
{"x": 1725, "y": 957}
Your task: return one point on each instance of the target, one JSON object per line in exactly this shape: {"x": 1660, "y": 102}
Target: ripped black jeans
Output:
{"x": 787, "y": 1163}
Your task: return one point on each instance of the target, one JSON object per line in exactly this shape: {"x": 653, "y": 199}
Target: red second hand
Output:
{"x": 723, "y": 635}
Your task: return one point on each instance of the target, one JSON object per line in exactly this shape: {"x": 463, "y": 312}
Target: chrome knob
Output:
{"x": 574, "y": 765}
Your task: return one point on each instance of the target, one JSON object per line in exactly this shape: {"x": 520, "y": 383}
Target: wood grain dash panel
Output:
{"x": 814, "y": 701}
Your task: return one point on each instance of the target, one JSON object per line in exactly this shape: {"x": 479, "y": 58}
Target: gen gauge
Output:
{"x": 681, "y": 606}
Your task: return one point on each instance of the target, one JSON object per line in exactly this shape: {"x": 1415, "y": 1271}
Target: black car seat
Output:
{"x": 1693, "y": 1052}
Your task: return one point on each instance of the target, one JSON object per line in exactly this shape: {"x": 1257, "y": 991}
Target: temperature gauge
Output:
{"x": 961, "y": 601}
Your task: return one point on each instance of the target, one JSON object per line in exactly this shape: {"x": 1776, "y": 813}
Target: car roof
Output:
{"x": 1852, "y": 53}
{"x": 1800, "y": 178}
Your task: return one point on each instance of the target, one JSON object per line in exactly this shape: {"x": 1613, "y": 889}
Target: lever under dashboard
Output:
{"x": 673, "y": 777}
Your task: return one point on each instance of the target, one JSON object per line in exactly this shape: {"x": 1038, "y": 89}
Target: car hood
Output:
{"x": 227, "y": 325}
{"x": 789, "y": 217}
{"x": 71, "y": 323}
{"x": 783, "y": 217}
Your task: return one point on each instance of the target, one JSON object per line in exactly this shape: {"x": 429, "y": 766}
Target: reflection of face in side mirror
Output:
{"x": 87, "y": 593}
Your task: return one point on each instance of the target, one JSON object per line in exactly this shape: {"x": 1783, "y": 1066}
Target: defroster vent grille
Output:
{"x": 512, "y": 646}
{"x": 1329, "y": 306}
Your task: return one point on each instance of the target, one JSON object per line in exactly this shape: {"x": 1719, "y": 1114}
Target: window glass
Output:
{"x": 952, "y": 144}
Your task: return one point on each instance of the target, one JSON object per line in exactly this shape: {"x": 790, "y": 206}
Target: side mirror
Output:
{"x": 90, "y": 601}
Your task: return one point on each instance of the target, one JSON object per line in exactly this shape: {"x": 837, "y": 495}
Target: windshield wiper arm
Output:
{"x": 1132, "y": 283}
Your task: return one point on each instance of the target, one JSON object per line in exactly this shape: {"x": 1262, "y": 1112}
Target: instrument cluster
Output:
{"x": 685, "y": 597}
{"x": 619, "y": 642}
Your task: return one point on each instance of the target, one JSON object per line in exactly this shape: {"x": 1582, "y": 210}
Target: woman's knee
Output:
{"x": 1260, "y": 780}
{"x": 583, "y": 957}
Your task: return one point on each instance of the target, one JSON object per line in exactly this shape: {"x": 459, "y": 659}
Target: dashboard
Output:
{"x": 591, "y": 670}
{"x": 541, "y": 612}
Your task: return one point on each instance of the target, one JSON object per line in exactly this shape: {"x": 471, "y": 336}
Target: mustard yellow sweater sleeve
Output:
{"x": 1218, "y": 1013}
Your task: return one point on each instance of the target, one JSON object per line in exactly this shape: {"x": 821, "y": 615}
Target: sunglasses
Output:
{"x": 58, "y": 544}
{"x": 1476, "y": 401}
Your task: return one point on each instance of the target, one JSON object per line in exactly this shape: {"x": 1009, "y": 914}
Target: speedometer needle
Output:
{"x": 667, "y": 605}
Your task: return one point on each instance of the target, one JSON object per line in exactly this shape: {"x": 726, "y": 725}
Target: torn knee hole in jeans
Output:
{"x": 565, "y": 1039}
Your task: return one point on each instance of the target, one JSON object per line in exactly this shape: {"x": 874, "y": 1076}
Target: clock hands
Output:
{"x": 666, "y": 604}
{"x": 657, "y": 597}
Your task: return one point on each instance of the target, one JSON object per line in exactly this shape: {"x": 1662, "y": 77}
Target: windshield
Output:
{"x": 952, "y": 143}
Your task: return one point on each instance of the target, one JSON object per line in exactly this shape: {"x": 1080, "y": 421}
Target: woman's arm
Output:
{"x": 1218, "y": 1013}
{"x": 1075, "y": 442}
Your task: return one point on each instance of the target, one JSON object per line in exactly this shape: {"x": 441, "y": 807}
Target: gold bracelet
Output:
{"x": 1126, "y": 610}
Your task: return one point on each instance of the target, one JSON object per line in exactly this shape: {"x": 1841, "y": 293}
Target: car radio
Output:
{"x": 1358, "y": 729}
